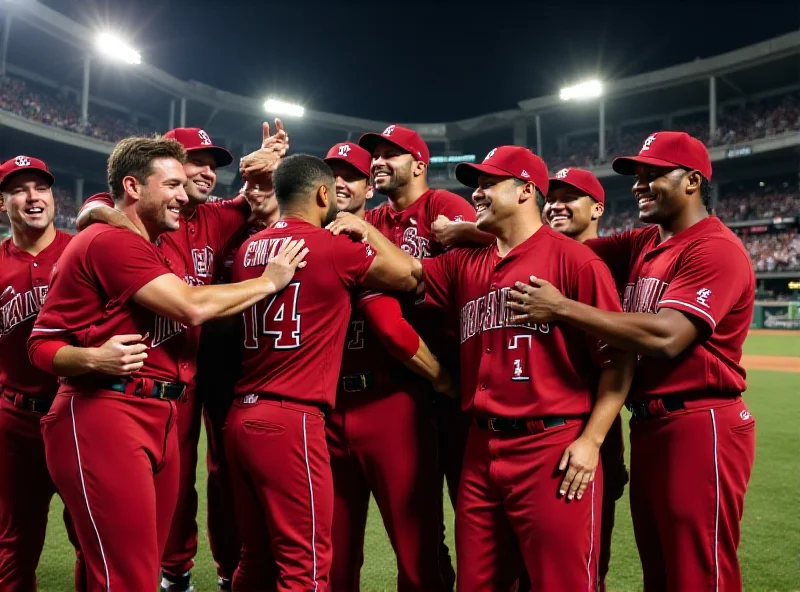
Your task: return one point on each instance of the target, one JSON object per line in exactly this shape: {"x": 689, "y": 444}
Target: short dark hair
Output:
{"x": 298, "y": 175}
{"x": 540, "y": 198}
{"x": 133, "y": 157}
{"x": 705, "y": 194}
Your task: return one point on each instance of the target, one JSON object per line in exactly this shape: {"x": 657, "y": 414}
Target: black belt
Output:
{"x": 168, "y": 391}
{"x": 27, "y": 403}
{"x": 641, "y": 410}
{"x": 518, "y": 426}
{"x": 355, "y": 383}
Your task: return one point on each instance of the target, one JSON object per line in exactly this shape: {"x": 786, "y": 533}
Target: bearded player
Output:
{"x": 380, "y": 435}
{"x": 543, "y": 396}
{"x": 574, "y": 205}
{"x": 284, "y": 500}
{"x": 110, "y": 442}
{"x": 688, "y": 306}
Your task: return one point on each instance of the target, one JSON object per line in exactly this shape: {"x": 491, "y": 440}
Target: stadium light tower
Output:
{"x": 114, "y": 46}
{"x": 279, "y": 107}
{"x": 590, "y": 89}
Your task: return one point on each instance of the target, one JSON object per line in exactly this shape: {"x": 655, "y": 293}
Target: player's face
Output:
{"x": 333, "y": 209}
{"x": 496, "y": 200}
{"x": 28, "y": 199}
{"x": 162, "y": 195}
{"x": 657, "y": 192}
{"x": 201, "y": 171}
{"x": 352, "y": 188}
{"x": 392, "y": 168}
{"x": 570, "y": 212}
{"x": 262, "y": 204}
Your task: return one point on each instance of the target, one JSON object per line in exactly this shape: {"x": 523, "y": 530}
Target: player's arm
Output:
{"x": 683, "y": 315}
{"x": 385, "y": 317}
{"x": 100, "y": 208}
{"x": 451, "y": 233}
{"x": 171, "y": 297}
{"x": 392, "y": 268}
{"x": 119, "y": 356}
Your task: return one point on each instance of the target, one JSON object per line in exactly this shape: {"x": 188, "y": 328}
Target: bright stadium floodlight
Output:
{"x": 279, "y": 107}
{"x": 115, "y": 47}
{"x": 590, "y": 89}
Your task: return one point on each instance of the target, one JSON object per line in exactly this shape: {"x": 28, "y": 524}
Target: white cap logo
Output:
{"x": 205, "y": 140}
{"x": 389, "y": 130}
{"x": 22, "y": 161}
{"x": 562, "y": 174}
{"x": 648, "y": 142}
{"x": 524, "y": 173}
{"x": 488, "y": 156}
{"x": 343, "y": 150}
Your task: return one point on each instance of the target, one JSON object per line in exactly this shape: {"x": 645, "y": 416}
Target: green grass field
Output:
{"x": 770, "y": 549}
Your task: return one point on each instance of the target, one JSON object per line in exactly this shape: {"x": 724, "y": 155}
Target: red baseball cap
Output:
{"x": 668, "y": 149}
{"x": 582, "y": 180}
{"x": 352, "y": 154}
{"x": 24, "y": 163}
{"x": 507, "y": 161}
{"x": 400, "y": 136}
{"x": 194, "y": 139}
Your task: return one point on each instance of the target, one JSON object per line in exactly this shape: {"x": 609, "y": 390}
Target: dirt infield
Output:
{"x": 774, "y": 332}
{"x": 774, "y": 363}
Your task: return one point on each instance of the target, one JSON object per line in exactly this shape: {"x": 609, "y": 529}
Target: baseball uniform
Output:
{"x": 200, "y": 239}
{"x": 410, "y": 229}
{"x": 110, "y": 443}
{"x": 381, "y": 437}
{"x": 27, "y": 392}
{"x": 292, "y": 351}
{"x": 688, "y": 415}
{"x": 531, "y": 388}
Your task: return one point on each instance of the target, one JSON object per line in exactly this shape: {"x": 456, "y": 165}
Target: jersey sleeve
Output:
{"x": 226, "y": 219}
{"x": 351, "y": 259}
{"x": 711, "y": 277}
{"x": 123, "y": 263}
{"x": 453, "y": 206}
{"x": 593, "y": 285}
{"x": 439, "y": 279}
{"x": 615, "y": 251}
{"x": 99, "y": 199}
{"x": 385, "y": 318}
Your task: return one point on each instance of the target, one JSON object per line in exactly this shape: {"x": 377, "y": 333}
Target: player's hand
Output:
{"x": 121, "y": 355}
{"x": 444, "y": 230}
{"x": 347, "y": 223}
{"x": 94, "y": 213}
{"x": 281, "y": 267}
{"x": 580, "y": 463}
{"x": 538, "y": 302}
{"x": 443, "y": 384}
{"x": 258, "y": 166}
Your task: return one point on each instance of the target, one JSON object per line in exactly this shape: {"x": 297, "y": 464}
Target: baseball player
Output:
{"x": 110, "y": 441}
{"x": 380, "y": 436}
{"x": 543, "y": 396}
{"x": 27, "y": 259}
{"x": 688, "y": 306}
{"x": 400, "y": 159}
{"x": 574, "y": 205}
{"x": 292, "y": 348}
{"x": 205, "y": 231}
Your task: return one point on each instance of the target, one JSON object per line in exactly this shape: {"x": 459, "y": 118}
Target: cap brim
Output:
{"x": 331, "y": 159}
{"x": 554, "y": 182}
{"x": 46, "y": 174}
{"x": 468, "y": 174}
{"x": 625, "y": 165}
{"x": 221, "y": 156}
{"x": 370, "y": 140}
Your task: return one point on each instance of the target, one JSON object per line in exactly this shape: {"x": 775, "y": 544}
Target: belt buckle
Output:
{"x": 161, "y": 390}
{"x": 490, "y": 424}
{"x": 354, "y": 390}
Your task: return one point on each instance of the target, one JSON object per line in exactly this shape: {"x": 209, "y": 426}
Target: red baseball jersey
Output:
{"x": 363, "y": 351}
{"x": 704, "y": 272}
{"x": 293, "y": 341}
{"x": 24, "y": 281}
{"x": 89, "y": 300}
{"x": 523, "y": 370}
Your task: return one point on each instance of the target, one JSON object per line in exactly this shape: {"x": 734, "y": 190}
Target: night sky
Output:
{"x": 416, "y": 61}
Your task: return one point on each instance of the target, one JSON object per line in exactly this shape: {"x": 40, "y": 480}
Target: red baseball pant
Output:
{"x": 181, "y": 547}
{"x": 114, "y": 460}
{"x": 689, "y": 475}
{"x": 386, "y": 444}
{"x": 25, "y": 493}
{"x": 510, "y": 515}
{"x": 281, "y": 479}
{"x": 453, "y": 426}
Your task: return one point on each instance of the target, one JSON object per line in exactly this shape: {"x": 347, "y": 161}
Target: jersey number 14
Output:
{"x": 280, "y": 321}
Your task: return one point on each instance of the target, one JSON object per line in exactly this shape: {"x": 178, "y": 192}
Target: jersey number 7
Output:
{"x": 280, "y": 320}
